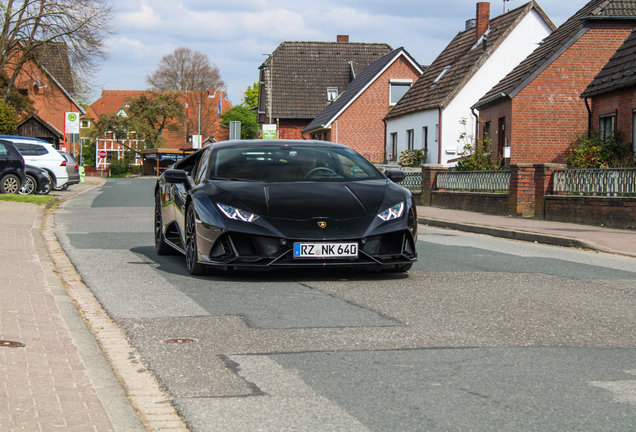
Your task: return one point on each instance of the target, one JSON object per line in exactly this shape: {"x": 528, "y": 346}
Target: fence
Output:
{"x": 481, "y": 181}
{"x": 609, "y": 182}
{"x": 413, "y": 179}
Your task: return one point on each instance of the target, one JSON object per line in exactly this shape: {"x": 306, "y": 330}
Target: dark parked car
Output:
{"x": 37, "y": 181}
{"x": 284, "y": 203}
{"x": 72, "y": 168}
{"x": 12, "y": 174}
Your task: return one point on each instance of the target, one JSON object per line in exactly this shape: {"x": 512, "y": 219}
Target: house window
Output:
{"x": 399, "y": 89}
{"x": 501, "y": 137}
{"x": 85, "y": 124}
{"x": 486, "y": 131}
{"x": 332, "y": 94}
{"x": 606, "y": 126}
{"x": 391, "y": 151}
{"x": 410, "y": 139}
{"x": 23, "y": 92}
{"x": 425, "y": 138}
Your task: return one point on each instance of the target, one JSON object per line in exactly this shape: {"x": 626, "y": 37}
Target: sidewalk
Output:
{"x": 57, "y": 379}
{"x": 598, "y": 238}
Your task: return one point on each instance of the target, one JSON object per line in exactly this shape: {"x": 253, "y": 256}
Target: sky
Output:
{"x": 238, "y": 35}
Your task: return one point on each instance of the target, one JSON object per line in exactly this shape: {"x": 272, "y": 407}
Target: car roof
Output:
{"x": 278, "y": 142}
{"x": 14, "y": 138}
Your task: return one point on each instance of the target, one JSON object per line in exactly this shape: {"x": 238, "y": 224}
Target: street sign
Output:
{"x": 269, "y": 131}
{"x": 102, "y": 154}
{"x": 72, "y": 123}
{"x": 196, "y": 141}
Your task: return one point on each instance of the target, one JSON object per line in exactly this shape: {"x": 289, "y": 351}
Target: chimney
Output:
{"x": 483, "y": 19}
{"x": 345, "y": 38}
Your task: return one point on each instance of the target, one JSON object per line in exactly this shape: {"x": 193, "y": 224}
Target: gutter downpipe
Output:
{"x": 472, "y": 110}
{"x": 385, "y": 141}
{"x": 589, "y": 118}
{"x": 439, "y": 137}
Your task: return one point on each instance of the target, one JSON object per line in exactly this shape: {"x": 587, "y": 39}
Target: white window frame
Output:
{"x": 398, "y": 83}
{"x": 332, "y": 94}
{"x": 410, "y": 139}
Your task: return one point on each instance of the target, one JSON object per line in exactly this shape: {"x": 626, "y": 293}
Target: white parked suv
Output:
{"x": 43, "y": 155}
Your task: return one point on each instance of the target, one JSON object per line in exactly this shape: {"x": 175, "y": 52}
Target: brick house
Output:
{"x": 535, "y": 113}
{"x": 213, "y": 103}
{"x": 47, "y": 80}
{"x": 299, "y": 79}
{"x": 430, "y": 114}
{"x": 611, "y": 96}
{"x": 355, "y": 117}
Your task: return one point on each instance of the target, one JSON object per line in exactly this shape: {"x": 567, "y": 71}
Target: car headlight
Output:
{"x": 392, "y": 212}
{"x": 236, "y": 214}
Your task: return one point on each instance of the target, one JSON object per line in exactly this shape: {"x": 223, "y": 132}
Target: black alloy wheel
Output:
{"x": 10, "y": 184}
{"x": 192, "y": 255}
{"x": 161, "y": 246}
{"x": 29, "y": 186}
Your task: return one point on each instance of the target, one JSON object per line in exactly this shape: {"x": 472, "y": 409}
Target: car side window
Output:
{"x": 202, "y": 170}
{"x": 41, "y": 150}
{"x": 25, "y": 149}
{"x": 4, "y": 151}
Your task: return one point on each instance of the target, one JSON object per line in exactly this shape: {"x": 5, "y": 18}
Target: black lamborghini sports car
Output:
{"x": 284, "y": 203}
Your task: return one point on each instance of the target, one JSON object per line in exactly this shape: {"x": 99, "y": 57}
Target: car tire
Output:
{"x": 161, "y": 246}
{"x": 192, "y": 253}
{"x": 10, "y": 184}
{"x": 48, "y": 188}
{"x": 29, "y": 187}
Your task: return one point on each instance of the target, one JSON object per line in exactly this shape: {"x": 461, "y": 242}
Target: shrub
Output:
{"x": 117, "y": 169}
{"x": 598, "y": 152}
{"x": 476, "y": 157}
{"x": 412, "y": 158}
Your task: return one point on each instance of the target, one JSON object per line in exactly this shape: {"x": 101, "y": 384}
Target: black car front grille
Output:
{"x": 233, "y": 248}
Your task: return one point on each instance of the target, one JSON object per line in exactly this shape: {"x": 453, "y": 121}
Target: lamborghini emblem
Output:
{"x": 322, "y": 224}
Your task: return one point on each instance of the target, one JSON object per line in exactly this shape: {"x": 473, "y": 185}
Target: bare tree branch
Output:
{"x": 185, "y": 70}
{"x": 30, "y": 25}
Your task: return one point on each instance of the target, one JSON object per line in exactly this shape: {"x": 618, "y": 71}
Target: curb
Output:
{"x": 153, "y": 406}
{"x": 526, "y": 236}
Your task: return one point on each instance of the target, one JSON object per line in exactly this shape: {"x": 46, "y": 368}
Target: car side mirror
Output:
{"x": 175, "y": 176}
{"x": 395, "y": 175}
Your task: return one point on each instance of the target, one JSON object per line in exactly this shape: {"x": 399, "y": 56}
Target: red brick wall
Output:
{"x": 548, "y": 114}
{"x": 361, "y": 126}
{"x": 291, "y": 129}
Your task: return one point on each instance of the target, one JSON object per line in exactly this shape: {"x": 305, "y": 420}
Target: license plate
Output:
{"x": 325, "y": 250}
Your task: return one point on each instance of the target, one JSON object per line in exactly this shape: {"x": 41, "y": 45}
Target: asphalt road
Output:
{"x": 483, "y": 334}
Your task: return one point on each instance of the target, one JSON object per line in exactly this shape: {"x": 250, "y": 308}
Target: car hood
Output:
{"x": 305, "y": 200}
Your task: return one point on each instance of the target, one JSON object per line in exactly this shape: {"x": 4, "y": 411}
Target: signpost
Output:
{"x": 269, "y": 131}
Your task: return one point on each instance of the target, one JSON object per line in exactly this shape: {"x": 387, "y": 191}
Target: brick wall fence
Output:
{"x": 531, "y": 195}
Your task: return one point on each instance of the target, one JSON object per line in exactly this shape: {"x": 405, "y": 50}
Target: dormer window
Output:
{"x": 332, "y": 94}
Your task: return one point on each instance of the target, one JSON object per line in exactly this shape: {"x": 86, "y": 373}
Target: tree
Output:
{"x": 8, "y": 119}
{"x": 185, "y": 70}
{"x": 247, "y": 117}
{"x": 149, "y": 115}
{"x": 250, "y": 97}
{"x": 29, "y": 26}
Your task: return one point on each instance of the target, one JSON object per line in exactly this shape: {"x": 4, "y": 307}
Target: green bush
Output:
{"x": 476, "y": 157}
{"x": 598, "y": 152}
{"x": 118, "y": 169}
{"x": 412, "y": 158}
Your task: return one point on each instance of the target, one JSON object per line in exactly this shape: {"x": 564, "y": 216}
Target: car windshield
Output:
{"x": 290, "y": 164}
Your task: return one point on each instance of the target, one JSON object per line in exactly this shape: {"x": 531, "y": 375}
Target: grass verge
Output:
{"x": 47, "y": 200}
